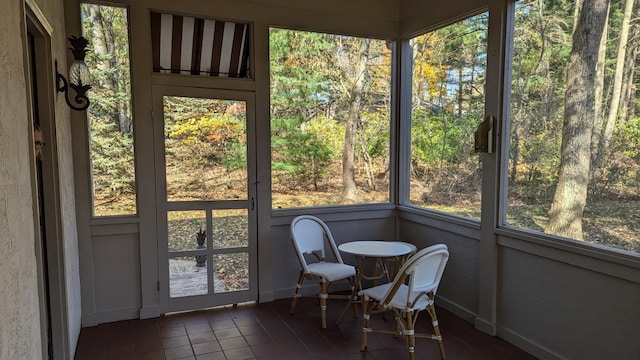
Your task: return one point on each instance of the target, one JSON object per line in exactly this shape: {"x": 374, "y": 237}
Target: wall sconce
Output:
{"x": 79, "y": 77}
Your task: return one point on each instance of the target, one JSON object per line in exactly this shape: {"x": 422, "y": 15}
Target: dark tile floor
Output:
{"x": 268, "y": 331}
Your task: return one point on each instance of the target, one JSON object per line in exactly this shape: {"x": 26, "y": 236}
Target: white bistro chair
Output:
{"x": 412, "y": 290}
{"x": 312, "y": 241}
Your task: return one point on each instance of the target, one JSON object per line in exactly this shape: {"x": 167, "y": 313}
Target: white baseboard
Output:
{"x": 109, "y": 316}
{"x": 458, "y": 310}
{"x": 504, "y": 333}
{"x": 149, "y": 312}
{"x": 527, "y": 345}
{"x": 485, "y": 326}
{"x": 264, "y": 297}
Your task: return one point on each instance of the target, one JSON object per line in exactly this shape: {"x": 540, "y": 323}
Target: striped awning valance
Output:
{"x": 192, "y": 46}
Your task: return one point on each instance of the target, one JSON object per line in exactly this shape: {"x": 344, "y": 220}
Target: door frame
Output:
{"x": 41, "y": 97}
{"x": 192, "y": 303}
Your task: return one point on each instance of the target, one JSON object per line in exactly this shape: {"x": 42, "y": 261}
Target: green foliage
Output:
{"x": 208, "y": 132}
{"x": 432, "y": 141}
{"x": 299, "y": 90}
{"x": 448, "y": 94}
{"x": 329, "y": 134}
{"x": 374, "y": 135}
{"x": 300, "y": 72}
{"x": 303, "y": 154}
{"x": 629, "y": 135}
{"x": 542, "y": 43}
{"x": 112, "y": 161}
{"x": 111, "y": 124}
{"x": 622, "y": 167}
{"x": 217, "y": 139}
{"x": 312, "y": 79}
{"x": 106, "y": 28}
{"x": 205, "y": 148}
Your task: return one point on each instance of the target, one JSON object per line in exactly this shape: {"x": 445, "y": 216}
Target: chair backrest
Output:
{"x": 310, "y": 235}
{"x": 422, "y": 272}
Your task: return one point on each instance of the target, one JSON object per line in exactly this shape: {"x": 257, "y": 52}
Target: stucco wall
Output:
{"x": 19, "y": 309}
{"x": 20, "y": 330}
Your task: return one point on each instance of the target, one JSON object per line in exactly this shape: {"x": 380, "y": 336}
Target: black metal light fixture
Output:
{"x": 79, "y": 77}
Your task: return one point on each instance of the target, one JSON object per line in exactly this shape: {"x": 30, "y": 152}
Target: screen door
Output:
{"x": 206, "y": 196}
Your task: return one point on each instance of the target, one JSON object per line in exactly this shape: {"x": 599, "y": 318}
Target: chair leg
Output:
{"x": 352, "y": 300}
{"x": 296, "y": 295}
{"x": 409, "y": 334}
{"x": 436, "y": 329}
{"x": 365, "y": 323}
{"x": 354, "y": 296}
{"x": 323, "y": 301}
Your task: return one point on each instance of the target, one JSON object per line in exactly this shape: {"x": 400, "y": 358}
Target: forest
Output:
{"x": 573, "y": 164}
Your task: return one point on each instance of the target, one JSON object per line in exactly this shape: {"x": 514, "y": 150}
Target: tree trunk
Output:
{"x": 368, "y": 165}
{"x": 460, "y": 92}
{"x": 104, "y": 45}
{"x": 631, "y": 112}
{"x": 603, "y": 147}
{"x": 599, "y": 90}
{"x": 99, "y": 42}
{"x": 576, "y": 12}
{"x": 627, "y": 86}
{"x": 565, "y": 215}
{"x": 353, "y": 117}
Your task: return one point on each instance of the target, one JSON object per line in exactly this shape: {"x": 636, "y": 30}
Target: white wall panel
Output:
{"x": 556, "y": 309}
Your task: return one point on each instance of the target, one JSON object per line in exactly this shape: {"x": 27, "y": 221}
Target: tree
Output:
{"x": 355, "y": 95}
{"x": 111, "y": 125}
{"x": 106, "y": 28}
{"x": 627, "y": 109}
{"x": 301, "y": 79}
{"x": 447, "y": 104}
{"x": 565, "y": 215}
{"x": 542, "y": 43}
{"x": 605, "y": 139}
{"x": 598, "y": 109}
{"x": 328, "y": 82}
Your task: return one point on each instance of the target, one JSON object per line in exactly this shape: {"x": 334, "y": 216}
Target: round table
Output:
{"x": 384, "y": 253}
{"x": 378, "y": 250}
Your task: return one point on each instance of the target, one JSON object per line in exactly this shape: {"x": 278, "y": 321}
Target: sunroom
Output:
{"x": 506, "y": 130}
